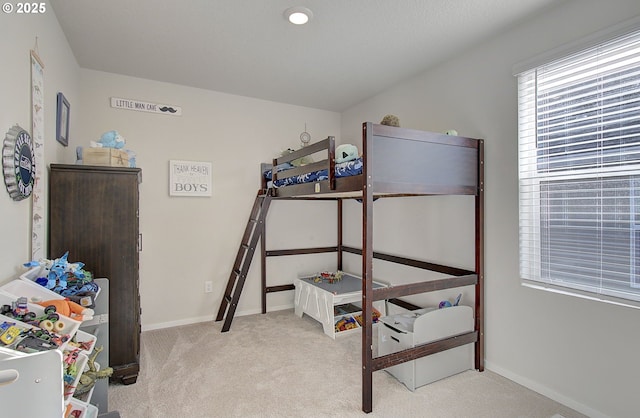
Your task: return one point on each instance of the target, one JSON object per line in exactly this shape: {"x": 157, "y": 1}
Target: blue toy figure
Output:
{"x": 447, "y": 304}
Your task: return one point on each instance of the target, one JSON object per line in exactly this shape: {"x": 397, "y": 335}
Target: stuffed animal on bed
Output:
{"x": 298, "y": 162}
{"x": 346, "y": 152}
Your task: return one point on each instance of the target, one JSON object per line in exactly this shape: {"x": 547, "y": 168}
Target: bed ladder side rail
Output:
{"x": 246, "y": 250}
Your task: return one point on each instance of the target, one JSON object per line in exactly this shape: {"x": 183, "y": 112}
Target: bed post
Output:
{"x": 339, "y": 234}
{"x": 479, "y": 351}
{"x": 263, "y": 263}
{"x": 367, "y": 271}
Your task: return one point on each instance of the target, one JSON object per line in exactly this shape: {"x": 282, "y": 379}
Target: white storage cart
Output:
{"x": 407, "y": 330}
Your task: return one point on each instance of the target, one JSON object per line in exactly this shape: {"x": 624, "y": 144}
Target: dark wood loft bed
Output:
{"x": 396, "y": 162}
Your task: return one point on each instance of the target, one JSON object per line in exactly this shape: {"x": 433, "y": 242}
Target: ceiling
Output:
{"x": 351, "y": 50}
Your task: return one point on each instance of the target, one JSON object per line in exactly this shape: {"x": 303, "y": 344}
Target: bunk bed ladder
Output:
{"x": 241, "y": 266}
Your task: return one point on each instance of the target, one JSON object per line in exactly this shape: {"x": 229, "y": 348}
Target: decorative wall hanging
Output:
{"x": 189, "y": 178}
{"x": 139, "y": 106}
{"x": 38, "y": 209}
{"x": 62, "y": 120}
{"x": 305, "y": 137}
{"x": 18, "y": 165}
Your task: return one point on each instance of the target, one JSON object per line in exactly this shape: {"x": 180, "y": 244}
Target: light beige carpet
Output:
{"x": 279, "y": 365}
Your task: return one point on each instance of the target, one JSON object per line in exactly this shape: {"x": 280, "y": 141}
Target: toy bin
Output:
{"x": 70, "y": 387}
{"x": 34, "y": 273}
{"x": 63, "y": 326}
{"x": 408, "y": 330}
{"x": 30, "y": 289}
{"x": 87, "y": 340}
{"x": 81, "y": 409}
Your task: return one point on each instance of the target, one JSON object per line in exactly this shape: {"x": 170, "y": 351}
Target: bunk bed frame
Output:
{"x": 396, "y": 162}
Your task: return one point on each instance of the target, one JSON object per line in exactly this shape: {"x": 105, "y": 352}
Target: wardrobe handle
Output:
{"x": 140, "y": 243}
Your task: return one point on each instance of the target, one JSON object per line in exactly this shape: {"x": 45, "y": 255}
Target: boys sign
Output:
{"x": 189, "y": 178}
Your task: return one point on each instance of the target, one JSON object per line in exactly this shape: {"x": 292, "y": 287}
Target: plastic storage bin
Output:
{"x": 407, "y": 330}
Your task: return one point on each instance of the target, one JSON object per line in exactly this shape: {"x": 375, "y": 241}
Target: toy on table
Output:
{"x": 328, "y": 277}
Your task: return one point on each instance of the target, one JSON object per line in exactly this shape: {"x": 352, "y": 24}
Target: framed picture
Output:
{"x": 189, "y": 178}
{"x": 62, "y": 120}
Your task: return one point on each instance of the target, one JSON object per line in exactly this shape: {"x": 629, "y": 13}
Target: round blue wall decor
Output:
{"x": 18, "y": 166}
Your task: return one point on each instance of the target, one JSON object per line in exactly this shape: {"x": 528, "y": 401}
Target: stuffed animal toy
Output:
{"x": 390, "y": 120}
{"x": 447, "y": 304}
{"x": 110, "y": 139}
{"x": 69, "y": 309}
{"x": 346, "y": 152}
{"x": 298, "y": 162}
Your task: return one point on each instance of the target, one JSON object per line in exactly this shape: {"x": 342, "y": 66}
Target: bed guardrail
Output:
{"x": 326, "y": 145}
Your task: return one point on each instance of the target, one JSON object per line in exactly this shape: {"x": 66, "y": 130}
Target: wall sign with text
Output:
{"x": 189, "y": 178}
{"x": 140, "y": 106}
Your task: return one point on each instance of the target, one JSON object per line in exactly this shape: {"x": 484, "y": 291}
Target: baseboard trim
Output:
{"x": 196, "y": 320}
{"x": 546, "y": 391}
{"x": 186, "y": 321}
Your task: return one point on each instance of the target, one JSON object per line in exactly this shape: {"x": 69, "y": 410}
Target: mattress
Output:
{"x": 345, "y": 169}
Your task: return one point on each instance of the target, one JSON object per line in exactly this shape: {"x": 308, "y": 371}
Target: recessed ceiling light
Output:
{"x": 298, "y": 15}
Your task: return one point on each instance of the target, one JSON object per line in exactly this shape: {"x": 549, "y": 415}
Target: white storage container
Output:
{"x": 408, "y": 330}
{"x": 30, "y": 289}
{"x": 68, "y": 327}
{"x": 34, "y": 273}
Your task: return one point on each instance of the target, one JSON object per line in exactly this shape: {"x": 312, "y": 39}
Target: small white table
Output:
{"x": 330, "y": 303}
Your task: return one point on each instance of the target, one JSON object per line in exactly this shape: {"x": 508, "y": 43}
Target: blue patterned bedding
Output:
{"x": 348, "y": 168}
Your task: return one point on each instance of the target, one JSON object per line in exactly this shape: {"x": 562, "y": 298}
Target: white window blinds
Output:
{"x": 579, "y": 170}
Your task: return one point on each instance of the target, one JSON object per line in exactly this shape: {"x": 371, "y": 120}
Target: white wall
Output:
{"x": 580, "y": 352}
{"x": 188, "y": 240}
{"x": 18, "y": 35}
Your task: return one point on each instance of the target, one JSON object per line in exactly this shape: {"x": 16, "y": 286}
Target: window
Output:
{"x": 579, "y": 171}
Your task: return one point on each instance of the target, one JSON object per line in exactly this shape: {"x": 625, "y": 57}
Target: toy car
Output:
{"x": 8, "y": 332}
{"x": 18, "y": 310}
{"x": 31, "y": 344}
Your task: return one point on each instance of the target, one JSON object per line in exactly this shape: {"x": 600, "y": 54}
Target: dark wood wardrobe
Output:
{"x": 93, "y": 214}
